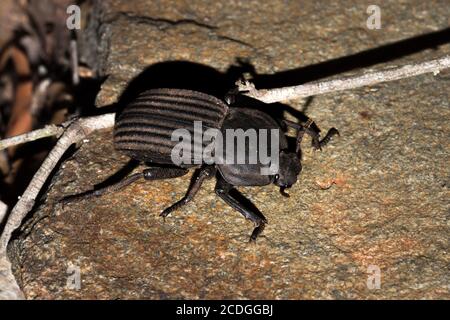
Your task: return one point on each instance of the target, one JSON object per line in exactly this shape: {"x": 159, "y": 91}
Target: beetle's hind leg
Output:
{"x": 97, "y": 193}
{"x": 199, "y": 176}
{"x": 155, "y": 173}
{"x": 238, "y": 202}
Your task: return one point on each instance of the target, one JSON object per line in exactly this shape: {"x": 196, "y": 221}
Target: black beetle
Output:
{"x": 144, "y": 128}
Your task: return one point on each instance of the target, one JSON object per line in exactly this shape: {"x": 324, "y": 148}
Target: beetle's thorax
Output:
{"x": 250, "y": 122}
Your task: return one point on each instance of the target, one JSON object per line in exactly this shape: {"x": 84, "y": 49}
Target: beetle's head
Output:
{"x": 289, "y": 169}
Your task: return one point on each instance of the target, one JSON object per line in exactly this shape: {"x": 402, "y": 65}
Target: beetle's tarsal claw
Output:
{"x": 332, "y": 132}
{"x": 257, "y": 231}
{"x": 283, "y": 192}
{"x": 164, "y": 214}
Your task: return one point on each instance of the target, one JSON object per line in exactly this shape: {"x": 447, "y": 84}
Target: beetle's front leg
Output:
{"x": 313, "y": 131}
{"x": 332, "y": 132}
{"x": 199, "y": 177}
{"x": 231, "y": 196}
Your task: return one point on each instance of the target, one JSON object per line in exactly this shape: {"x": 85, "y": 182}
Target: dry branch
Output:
{"x": 9, "y": 289}
{"x": 75, "y": 133}
{"x": 47, "y": 131}
{"x": 370, "y": 78}
{"x": 3, "y": 210}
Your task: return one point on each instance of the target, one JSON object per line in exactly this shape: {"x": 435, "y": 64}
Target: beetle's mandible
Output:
{"x": 144, "y": 128}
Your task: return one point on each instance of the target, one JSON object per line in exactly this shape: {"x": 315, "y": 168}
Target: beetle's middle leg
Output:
{"x": 199, "y": 177}
{"x": 231, "y": 196}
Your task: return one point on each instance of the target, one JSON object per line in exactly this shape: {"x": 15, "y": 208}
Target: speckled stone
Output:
{"x": 387, "y": 204}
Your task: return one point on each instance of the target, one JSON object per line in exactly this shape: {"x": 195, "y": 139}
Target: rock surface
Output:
{"x": 387, "y": 207}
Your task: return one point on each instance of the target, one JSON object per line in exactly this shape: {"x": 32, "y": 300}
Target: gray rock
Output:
{"x": 388, "y": 205}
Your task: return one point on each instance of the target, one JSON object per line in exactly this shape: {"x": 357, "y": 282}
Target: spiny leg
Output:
{"x": 97, "y": 193}
{"x": 155, "y": 173}
{"x": 332, "y": 132}
{"x": 199, "y": 177}
{"x": 231, "y": 196}
{"x": 161, "y": 173}
{"x": 313, "y": 131}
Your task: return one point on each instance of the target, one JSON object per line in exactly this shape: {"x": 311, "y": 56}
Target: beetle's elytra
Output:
{"x": 144, "y": 129}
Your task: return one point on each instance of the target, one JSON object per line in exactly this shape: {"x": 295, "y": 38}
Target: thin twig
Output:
{"x": 370, "y": 78}
{"x": 3, "y": 210}
{"x": 47, "y": 131}
{"x": 9, "y": 289}
{"x": 75, "y": 133}
{"x": 39, "y": 96}
{"x": 74, "y": 62}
